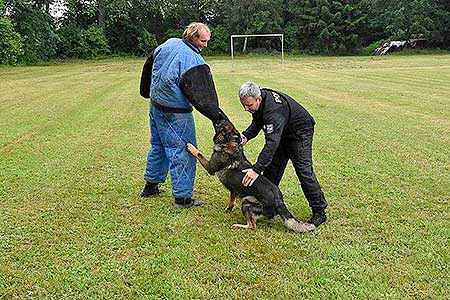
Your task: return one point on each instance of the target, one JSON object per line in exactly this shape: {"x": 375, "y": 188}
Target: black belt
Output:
{"x": 172, "y": 109}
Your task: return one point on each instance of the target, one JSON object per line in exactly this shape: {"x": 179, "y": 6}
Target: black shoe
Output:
{"x": 187, "y": 202}
{"x": 151, "y": 189}
{"x": 318, "y": 218}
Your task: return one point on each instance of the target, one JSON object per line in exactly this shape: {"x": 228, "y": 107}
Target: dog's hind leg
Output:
{"x": 251, "y": 212}
{"x": 231, "y": 202}
{"x": 251, "y": 223}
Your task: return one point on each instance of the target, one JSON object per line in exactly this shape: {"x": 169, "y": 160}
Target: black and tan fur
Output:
{"x": 263, "y": 198}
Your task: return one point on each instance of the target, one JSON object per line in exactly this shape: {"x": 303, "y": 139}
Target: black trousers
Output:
{"x": 298, "y": 148}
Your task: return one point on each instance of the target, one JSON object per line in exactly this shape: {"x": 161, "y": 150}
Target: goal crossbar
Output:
{"x": 280, "y": 35}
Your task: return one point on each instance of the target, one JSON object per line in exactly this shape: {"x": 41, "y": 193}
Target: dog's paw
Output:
{"x": 229, "y": 208}
{"x": 192, "y": 149}
{"x": 243, "y": 226}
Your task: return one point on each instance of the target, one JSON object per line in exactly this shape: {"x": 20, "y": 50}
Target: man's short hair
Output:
{"x": 193, "y": 31}
{"x": 249, "y": 89}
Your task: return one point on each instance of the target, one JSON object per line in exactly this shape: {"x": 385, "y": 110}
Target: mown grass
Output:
{"x": 73, "y": 145}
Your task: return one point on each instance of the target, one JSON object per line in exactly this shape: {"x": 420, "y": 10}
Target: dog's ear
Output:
{"x": 231, "y": 148}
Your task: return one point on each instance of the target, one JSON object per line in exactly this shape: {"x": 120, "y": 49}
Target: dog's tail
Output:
{"x": 292, "y": 223}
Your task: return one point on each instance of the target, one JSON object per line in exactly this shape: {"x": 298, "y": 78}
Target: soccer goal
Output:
{"x": 246, "y": 36}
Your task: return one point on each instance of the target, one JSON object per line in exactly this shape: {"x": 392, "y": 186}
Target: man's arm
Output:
{"x": 252, "y": 130}
{"x": 197, "y": 85}
{"x": 275, "y": 123}
{"x": 274, "y": 129}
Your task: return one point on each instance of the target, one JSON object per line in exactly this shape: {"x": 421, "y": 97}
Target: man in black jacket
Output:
{"x": 288, "y": 130}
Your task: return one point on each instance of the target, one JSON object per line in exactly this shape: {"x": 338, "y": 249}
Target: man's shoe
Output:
{"x": 151, "y": 189}
{"x": 187, "y": 202}
{"x": 318, "y": 218}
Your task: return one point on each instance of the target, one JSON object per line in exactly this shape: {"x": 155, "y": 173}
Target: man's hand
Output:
{"x": 244, "y": 139}
{"x": 249, "y": 177}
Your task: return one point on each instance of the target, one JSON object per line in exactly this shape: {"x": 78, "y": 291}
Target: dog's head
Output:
{"x": 227, "y": 137}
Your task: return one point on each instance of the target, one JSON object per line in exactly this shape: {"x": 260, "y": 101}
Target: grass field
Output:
{"x": 73, "y": 145}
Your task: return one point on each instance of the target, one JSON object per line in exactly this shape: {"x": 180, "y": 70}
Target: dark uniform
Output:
{"x": 288, "y": 130}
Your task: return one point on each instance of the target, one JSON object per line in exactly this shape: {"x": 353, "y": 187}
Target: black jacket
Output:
{"x": 280, "y": 117}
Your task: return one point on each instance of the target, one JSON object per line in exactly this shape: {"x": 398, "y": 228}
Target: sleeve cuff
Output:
{"x": 258, "y": 169}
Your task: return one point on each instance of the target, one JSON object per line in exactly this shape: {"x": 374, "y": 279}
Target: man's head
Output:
{"x": 250, "y": 96}
{"x": 198, "y": 34}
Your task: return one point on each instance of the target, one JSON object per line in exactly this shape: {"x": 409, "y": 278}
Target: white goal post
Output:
{"x": 280, "y": 35}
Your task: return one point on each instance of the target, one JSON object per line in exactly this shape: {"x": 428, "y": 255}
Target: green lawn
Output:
{"x": 73, "y": 146}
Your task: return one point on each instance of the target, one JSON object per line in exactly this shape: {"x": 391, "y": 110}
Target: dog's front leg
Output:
{"x": 231, "y": 201}
{"x": 199, "y": 156}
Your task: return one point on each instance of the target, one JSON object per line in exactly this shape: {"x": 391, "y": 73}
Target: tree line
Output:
{"x": 39, "y": 30}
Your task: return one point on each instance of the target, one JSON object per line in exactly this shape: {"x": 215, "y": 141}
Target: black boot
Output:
{"x": 187, "y": 202}
{"x": 151, "y": 189}
{"x": 318, "y": 218}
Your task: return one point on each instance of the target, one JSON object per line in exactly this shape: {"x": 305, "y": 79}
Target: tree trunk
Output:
{"x": 101, "y": 15}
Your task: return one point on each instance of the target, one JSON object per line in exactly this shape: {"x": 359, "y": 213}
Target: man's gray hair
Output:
{"x": 249, "y": 89}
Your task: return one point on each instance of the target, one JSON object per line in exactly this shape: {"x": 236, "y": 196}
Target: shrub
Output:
{"x": 368, "y": 50}
{"x": 10, "y": 42}
{"x": 219, "y": 41}
{"x": 94, "y": 42}
{"x": 70, "y": 42}
{"x": 173, "y": 33}
{"x": 146, "y": 42}
{"x": 81, "y": 43}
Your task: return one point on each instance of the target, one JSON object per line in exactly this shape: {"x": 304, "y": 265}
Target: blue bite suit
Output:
{"x": 171, "y": 119}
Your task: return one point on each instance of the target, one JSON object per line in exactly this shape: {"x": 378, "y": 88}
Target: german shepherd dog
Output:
{"x": 262, "y": 198}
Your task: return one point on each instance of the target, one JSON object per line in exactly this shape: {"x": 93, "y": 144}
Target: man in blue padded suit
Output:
{"x": 176, "y": 77}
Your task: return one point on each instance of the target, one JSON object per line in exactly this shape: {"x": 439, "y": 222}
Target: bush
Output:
{"x": 173, "y": 33}
{"x": 146, "y": 42}
{"x": 10, "y": 42}
{"x": 368, "y": 50}
{"x": 218, "y": 43}
{"x": 70, "y": 42}
{"x": 94, "y": 42}
{"x": 81, "y": 43}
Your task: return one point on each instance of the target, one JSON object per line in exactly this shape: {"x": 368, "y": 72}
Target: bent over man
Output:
{"x": 288, "y": 130}
{"x": 171, "y": 119}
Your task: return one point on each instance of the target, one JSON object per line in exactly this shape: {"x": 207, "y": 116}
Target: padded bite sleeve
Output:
{"x": 146, "y": 77}
{"x": 198, "y": 86}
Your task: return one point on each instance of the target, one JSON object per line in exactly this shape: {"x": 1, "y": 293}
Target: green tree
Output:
{"x": 219, "y": 41}
{"x": 147, "y": 42}
{"x": 400, "y": 19}
{"x": 36, "y": 28}
{"x": 254, "y": 17}
{"x": 323, "y": 26}
{"x": 10, "y": 40}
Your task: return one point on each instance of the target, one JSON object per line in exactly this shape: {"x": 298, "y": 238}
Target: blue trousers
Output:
{"x": 169, "y": 133}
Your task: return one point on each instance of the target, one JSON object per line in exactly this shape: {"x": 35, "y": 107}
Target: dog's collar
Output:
{"x": 237, "y": 140}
